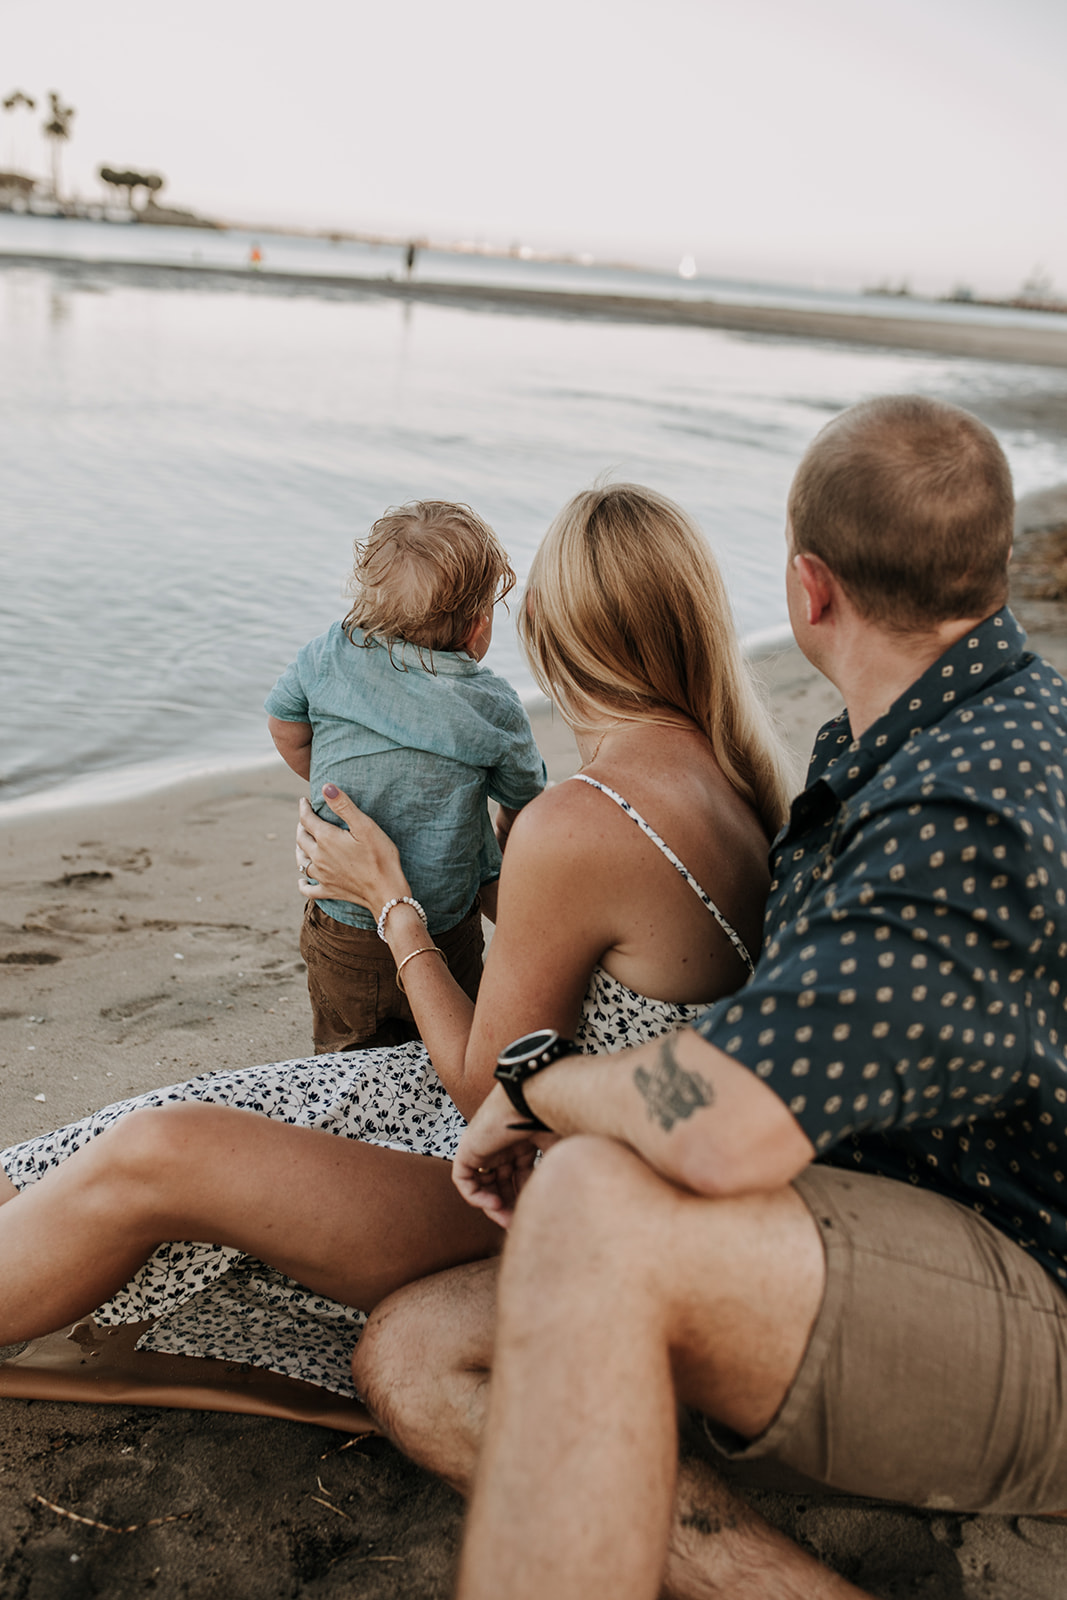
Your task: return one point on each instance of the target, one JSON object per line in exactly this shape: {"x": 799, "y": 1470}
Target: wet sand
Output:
{"x": 152, "y": 938}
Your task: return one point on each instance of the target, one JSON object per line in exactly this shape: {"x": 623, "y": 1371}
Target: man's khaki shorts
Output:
{"x": 936, "y": 1373}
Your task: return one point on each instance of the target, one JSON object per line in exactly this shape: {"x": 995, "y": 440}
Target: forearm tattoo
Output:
{"x": 671, "y": 1093}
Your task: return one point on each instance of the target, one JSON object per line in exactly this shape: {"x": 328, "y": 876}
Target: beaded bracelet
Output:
{"x": 423, "y": 950}
{"x": 398, "y": 900}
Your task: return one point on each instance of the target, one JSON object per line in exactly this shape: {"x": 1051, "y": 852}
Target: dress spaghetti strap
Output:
{"x": 650, "y": 833}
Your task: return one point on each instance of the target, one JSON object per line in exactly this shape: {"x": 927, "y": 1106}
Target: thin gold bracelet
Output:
{"x": 423, "y": 950}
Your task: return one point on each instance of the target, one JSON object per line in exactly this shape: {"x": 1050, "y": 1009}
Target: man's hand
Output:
{"x": 494, "y": 1160}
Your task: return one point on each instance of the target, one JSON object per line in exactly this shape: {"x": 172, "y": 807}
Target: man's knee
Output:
{"x": 586, "y": 1174}
{"x": 389, "y": 1354}
{"x": 590, "y": 1199}
{"x": 596, "y": 1214}
{"x": 420, "y": 1337}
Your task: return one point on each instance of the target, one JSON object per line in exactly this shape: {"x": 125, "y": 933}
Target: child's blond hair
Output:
{"x": 425, "y": 574}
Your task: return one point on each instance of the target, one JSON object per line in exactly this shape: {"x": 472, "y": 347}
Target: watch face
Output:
{"x": 528, "y": 1047}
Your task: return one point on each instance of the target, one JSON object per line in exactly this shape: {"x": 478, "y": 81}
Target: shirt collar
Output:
{"x": 967, "y": 669}
{"x": 407, "y": 657}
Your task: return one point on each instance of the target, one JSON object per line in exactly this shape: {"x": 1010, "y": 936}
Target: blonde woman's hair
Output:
{"x": 627, "y": 617}
{"x": 425, "y": 574}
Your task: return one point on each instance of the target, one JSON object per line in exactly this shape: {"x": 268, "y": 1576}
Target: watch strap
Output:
{"x": 514, "y": 1076}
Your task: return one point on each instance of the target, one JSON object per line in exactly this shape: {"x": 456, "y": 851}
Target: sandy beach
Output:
{"x": 152, "y": 938}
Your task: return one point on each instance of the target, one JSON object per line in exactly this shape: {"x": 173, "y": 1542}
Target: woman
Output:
{"x": 628, "y": 628}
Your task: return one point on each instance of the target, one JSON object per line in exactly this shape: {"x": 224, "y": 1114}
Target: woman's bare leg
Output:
{"x": 349, "y": 1220}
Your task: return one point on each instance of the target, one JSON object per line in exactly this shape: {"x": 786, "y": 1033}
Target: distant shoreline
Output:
{"x": 940, "y": 336}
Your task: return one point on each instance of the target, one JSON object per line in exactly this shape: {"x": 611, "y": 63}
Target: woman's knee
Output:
{"x": 154, "y": 1146}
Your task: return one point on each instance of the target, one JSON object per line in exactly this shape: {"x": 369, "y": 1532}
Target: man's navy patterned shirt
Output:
{"x": 910, "y": 1004}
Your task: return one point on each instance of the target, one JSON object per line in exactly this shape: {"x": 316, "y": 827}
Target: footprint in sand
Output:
{"x": 120, "y": 860}
{"x": 126, "y": 1010}
{"x": 75, "y": 921}
{"x": 79, "y": 880}
{"x": 129, "y": 860}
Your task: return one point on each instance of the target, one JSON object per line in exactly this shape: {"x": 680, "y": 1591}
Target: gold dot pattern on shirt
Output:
{"x": 910, "y": 1005}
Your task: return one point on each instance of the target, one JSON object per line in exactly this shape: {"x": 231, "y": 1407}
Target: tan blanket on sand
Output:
{"x": 102, "y": 1366}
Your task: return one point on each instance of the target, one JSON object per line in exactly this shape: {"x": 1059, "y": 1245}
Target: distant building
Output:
{"x": 15, "y": 190}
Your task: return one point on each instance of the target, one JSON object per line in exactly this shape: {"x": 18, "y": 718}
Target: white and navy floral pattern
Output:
{"x": 210, "y": 1300}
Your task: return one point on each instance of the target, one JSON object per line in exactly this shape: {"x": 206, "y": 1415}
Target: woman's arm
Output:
{"x": 363, "y": 865}
{"x": 550, "y": 933}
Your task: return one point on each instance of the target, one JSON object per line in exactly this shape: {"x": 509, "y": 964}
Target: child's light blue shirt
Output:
{"x": 421, "y": 751}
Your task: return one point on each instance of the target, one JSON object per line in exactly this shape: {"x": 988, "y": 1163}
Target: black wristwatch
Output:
{"x": 520, "y": 1060}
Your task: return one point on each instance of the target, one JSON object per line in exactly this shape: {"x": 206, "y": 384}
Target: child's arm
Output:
{"x": 487, "y": 893}
{"x": 293, "y": 741}
{"x": 505, "y": 816}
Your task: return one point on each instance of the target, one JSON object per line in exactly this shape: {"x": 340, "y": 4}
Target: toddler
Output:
{"x": 394, "y": 707}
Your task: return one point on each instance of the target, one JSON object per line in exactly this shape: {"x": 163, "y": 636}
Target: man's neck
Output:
{"x": 873, "y": 667}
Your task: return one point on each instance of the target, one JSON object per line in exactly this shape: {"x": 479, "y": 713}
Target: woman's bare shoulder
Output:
{"x": 564, "y": 816}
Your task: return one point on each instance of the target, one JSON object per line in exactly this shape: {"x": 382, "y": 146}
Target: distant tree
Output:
{"x": 57, "y": 132}
{"x": 118, "y": 180}
{"x": 12, "y": 103}
{"x": 152, "y": 182}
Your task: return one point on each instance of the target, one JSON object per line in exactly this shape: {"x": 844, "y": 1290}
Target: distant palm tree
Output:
{"x": 12, "y": 103}
{"x": 58, "y": 132}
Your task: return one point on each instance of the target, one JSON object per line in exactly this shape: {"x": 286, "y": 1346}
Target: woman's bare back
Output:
{"x": 607, "y": 897}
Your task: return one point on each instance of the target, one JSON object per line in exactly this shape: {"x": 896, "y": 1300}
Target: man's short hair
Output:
{"x": 909, "y": 502}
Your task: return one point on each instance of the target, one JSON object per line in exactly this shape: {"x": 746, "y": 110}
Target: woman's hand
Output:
{"x": 361, "y": 865}
{"x": 494, "y": 1159}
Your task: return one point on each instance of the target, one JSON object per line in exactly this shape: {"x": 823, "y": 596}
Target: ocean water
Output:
{"x": 183, "y": 469}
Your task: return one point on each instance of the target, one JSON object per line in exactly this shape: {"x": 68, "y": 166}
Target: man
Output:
{"x": 830, "y": 1217}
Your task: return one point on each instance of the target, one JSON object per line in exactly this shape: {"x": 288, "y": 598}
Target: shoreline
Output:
{"x": 1037, "y": 346}
{"x": 113, "y": 785}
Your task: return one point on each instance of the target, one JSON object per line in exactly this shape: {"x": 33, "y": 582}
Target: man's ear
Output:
{"x": 818, "y": 584}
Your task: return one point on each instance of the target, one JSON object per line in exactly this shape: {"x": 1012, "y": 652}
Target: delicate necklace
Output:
{"x": 596, "y": 748}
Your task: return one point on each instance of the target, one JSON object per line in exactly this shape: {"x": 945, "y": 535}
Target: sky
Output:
{"x": 838, "y": 142}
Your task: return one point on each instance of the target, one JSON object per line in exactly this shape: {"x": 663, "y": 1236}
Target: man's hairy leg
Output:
{"x": 422, "y": 1366}
{"x": 593, "y": 1321}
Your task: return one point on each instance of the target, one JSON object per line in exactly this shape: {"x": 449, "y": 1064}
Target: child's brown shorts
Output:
{"x": 355, "y": 1002}
{"x": 936, "y": 1372}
